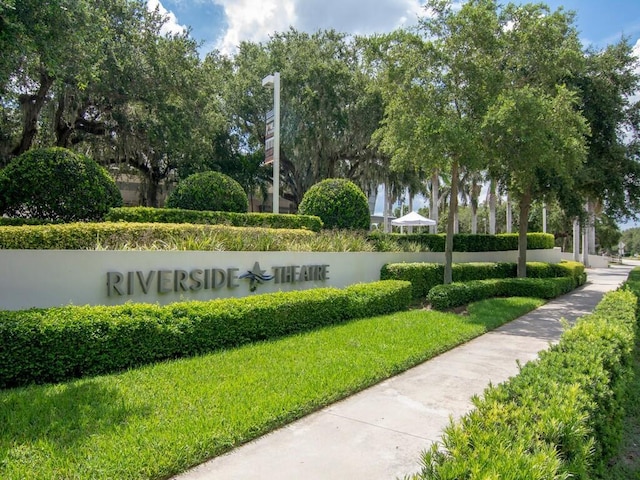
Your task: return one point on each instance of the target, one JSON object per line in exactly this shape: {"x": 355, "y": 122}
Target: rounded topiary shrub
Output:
{"x": 209, "y": 191}
{"x": 339, "y": 203}
{"x": 57, "y": 184}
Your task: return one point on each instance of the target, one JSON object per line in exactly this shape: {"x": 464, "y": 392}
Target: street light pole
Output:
{"x": 274, "y": 80}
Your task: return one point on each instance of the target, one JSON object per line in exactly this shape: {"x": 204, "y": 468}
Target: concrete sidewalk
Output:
{"x": 380, "y": 432}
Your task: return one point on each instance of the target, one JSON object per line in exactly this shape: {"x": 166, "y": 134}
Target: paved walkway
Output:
{"x": 380, "y": 432}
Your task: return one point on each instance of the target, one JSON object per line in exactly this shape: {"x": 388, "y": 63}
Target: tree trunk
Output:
{"x": 62, "y": 128}
{"x": 492, "y": 207}
{"x": 410, "y": 227}
{"x": 474, "y": 219}
{"x": 31, "y": 106}
{"x": 152, "y": 193}
{"x": 453, "y": 205}
{"x": 525, "y": 206}
{"x": 435, "y": 182}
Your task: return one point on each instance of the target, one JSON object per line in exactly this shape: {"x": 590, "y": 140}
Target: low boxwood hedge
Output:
{"x": 117, "y": 235}
{"x": 425, "y": 276}
{"x": 51, "y": 345}
{"x": 560, "y": 417}
{"x": 442, "y": 297}
{"x": 463, "y": 242}
{"x": 178, "y": 215}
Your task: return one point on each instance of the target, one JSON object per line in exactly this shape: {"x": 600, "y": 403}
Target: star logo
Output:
{"x": 256, "y": 277}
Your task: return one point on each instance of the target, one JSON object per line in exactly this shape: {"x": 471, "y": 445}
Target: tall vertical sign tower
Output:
{"x": 272, "y": 138}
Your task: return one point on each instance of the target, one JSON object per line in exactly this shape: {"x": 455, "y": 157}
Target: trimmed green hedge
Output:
{"x": 51, "y": 345}
{"x": 177, "y": 215}
{"x": 560, "y": 417}
{"x": 83, "y": 236}
{"x": 425, "y": 276}
{"x": 463, "y": 242}
{"x": 442, "y": 297}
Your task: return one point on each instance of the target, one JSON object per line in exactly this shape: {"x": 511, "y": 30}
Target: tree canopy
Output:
{"x": 474, "y": 89}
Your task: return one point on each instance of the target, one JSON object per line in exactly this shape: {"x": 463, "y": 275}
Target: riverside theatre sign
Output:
{"x": 198, "y": 279}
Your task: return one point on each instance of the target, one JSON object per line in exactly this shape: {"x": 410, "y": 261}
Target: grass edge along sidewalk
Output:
{"x": 159, "y": 420}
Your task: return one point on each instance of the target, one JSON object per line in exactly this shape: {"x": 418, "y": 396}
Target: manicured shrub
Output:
{"x": 442, "y": 297}
{"x": 560, "y": 417}
{"x": 463, "y": 242}
{"x": 114, "y": 236}
{"x": 178, "y": 215}
{"x": 209, "y": 191}
{"x": 339, "y": 203}
{"x": 51, "y": 345}
{"x": 425, "y": 276}
{"x": 56, "y": 184}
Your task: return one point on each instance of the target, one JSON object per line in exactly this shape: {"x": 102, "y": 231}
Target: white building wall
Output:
{"x": 45, "y": 278}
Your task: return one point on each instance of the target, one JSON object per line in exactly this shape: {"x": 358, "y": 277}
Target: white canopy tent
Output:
{"x": 412, "y": 219}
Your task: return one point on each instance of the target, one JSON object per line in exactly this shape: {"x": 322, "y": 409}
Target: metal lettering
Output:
{"x": 114, "y": 279}
{"x": 180, "y": 280}
{"x": 164, "y": 281}
{"x": 218, "y": 278}
{"x": 231, "y": 276}
{"x": 196, "y": 278}
{"x": 145, "y": 283}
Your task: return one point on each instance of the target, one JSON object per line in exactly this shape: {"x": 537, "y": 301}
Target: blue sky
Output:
{"x": 223, "y": 24}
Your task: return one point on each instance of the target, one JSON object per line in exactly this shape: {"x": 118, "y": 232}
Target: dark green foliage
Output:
{"x": 82, "y": 236}
{"x": 442, "y": 297}
{"x": 177, "y": 215}
{"x": 209, "y": 191}
{"x": 339, "y": 203}
{"x": 50, "y": 345}
{"x": 463, "y": 242}
{"x": 560, "y": 417}
{"x": 17, "y": 222}
{"x": 56, "y": 184}
{"x": 425, "y": 276}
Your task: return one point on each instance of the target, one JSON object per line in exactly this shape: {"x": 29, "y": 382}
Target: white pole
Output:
{"x": 544, "y": 218}
{"x": 275, "y": 81}
{"x": 576, "y": 240}
{"x": 276, "y": 142}
{"x": 509, "y": 214}
{"x": 585, "y": 240}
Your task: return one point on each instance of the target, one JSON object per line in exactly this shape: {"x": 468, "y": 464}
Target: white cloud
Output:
{"x": 255, "y": 20}
{"x": 171, "y": 25}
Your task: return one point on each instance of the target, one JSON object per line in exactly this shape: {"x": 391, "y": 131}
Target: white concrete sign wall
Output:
{"x": 45, "y": 278}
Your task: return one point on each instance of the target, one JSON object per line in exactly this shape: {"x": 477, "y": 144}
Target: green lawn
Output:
{"x": 159, "y": 420}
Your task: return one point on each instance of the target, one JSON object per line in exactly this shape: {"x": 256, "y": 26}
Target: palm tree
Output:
{"x": 470, "y": 188}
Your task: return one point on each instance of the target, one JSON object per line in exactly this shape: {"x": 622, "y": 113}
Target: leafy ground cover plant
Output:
{"x": 157, "y": 421}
